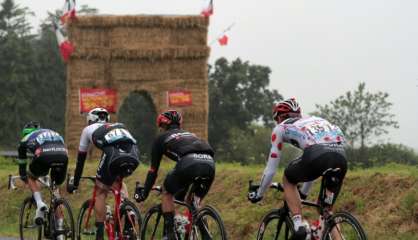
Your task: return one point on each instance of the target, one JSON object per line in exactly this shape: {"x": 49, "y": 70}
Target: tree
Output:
{"x": 361, "y": 115}
{"x": 238, "y": 96}
{"x": 16, "y": 70}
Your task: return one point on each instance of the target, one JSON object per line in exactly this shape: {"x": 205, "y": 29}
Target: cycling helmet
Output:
{"x": 30, "y": 127}
{"x": 288, "y": 106}
{"x": 170, "y": 117}
{"x": 100, "y": 115}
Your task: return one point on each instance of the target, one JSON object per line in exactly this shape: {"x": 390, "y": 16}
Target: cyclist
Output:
{"x": 194, "y": 159}
{"x": 322, "y": 145}
{"x": 49, "y": 153}
{"x": 119, "y": 159}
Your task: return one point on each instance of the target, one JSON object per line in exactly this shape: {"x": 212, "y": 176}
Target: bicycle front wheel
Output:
{"x": 209, "y": 225}
{"x": 130, "y": 220}
{"x": 343, "y": 225}
{"x": 28, "y": 229}
{"x": 153, "y": 224}
{"x": 86, "y": 220}
{"x": 275, "y": 226}
{"x": 62, "y": 221}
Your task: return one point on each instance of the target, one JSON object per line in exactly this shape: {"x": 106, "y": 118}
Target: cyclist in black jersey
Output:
{"x": 49, "y": 153}
{"x": 194, "y": 159}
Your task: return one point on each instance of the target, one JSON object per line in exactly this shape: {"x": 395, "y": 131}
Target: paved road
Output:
{"x": 7, "y": 238}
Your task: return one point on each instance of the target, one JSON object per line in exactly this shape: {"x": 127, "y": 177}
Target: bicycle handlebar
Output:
{"x": 158, "y": 189}
{"x": 275, "y": 185}
{"x": 45, "y": 181}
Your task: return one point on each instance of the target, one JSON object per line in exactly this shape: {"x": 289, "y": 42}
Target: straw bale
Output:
{"x": 144, "y": 21}
{"x": 139, "y": 53}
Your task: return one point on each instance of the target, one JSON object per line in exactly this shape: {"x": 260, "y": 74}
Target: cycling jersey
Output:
{"x": 86, "y": 136}
{"x": 175, "y": 143}
{"x": 49, "y": 152}
{"x": 302, "y": 133}
{"x": 37, "y": 138}
{"x": 120, "y": 154}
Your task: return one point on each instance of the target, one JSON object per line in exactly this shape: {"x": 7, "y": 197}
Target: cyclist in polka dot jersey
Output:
{"x": 322, "y": 145}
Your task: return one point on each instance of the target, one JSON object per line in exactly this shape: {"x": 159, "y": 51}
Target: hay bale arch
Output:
{"x": 152, "y": 54}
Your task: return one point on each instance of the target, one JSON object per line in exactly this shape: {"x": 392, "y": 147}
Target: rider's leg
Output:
{"x": 100, "y": 208}
{"x": 167, "y": 206}
{"x": 292, "y": 198}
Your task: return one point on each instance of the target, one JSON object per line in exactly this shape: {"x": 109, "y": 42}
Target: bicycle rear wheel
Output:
{"x": 275, "y": 226}
{"x": 27, "y": 226}
{"x": 209, "y": 225}
{"x": 130, "y": 220}
{"x": 153, "y": 224}
{"x": 343, "y": 225}
{"x": 62, "y": 221}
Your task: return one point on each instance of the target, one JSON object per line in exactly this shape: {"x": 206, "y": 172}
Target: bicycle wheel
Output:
{"x": 275, "y": 226}
{"x": 86, "y": 222}
{"x": 209, "y": 225}
{"x": 343, "y": 225}
{"x": 61, "y": 221}
{"x": 130, "y": 220}
{"x": 153, "y": 224}
{"x": 27, "y": 227}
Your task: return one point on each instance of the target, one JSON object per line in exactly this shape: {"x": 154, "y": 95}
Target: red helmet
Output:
{"x": 286, "y": 106}
{"x": 169, "y": 117}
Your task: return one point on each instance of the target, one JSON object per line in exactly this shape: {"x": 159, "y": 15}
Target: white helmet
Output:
{"x": 100, "y": 115}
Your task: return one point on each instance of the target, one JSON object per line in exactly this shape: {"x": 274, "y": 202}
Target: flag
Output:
{"x": 223, "y": 41}
{"x": 68, "y": 12}
{"x": 65, "y": 46}
{"x": 207, "y": 10}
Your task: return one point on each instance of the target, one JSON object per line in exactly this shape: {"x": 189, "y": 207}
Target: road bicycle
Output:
{"x": 277, "y": 223}
{"x": 58, "y": 223}
{"x": 123, "y": 222}
{"x": 191, "y": 222}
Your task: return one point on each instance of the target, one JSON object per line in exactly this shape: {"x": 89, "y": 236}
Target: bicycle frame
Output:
{"x": 118, "y": 200}
{"x": 192, "y": 207}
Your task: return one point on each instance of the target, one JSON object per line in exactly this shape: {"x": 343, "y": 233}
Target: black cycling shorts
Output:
{"x": 52, "y": 157}
{"x": 119, "y": 160}
{"x": 315, "y": 160}
{"x": 192, "y": 168}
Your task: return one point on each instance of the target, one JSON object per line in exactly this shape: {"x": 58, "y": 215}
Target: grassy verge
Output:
{"x": 384, "y": 199}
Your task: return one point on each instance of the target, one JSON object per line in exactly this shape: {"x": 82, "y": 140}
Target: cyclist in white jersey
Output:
{"x": 322, "y": 145}
{"x": 119, "y": 159}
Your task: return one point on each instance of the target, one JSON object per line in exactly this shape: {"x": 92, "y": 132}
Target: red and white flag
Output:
{"x": 68, "y": 12}
{"x": 207, "y": 10}
{"x": 223, "y": 41}
{"x": 65, "y": 46}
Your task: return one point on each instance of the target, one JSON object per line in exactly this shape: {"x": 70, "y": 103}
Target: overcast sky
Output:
{"x": 317, "y": 50}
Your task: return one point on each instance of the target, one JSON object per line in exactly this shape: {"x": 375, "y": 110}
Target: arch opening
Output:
{"x": 138, "y": 113}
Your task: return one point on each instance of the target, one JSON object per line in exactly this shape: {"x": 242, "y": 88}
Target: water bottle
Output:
{"x": 181, "y": 222}
{"x": 317, "y": 228}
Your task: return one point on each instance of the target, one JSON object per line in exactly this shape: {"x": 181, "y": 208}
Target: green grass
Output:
{"x": 384, "y": 199}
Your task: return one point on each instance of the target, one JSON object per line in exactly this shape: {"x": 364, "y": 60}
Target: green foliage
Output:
{"x": 360, "y": 114}
{"x": 238, "y": 96}
{"x": 16, "y": 69}
{"x": 252, "y": 146}
{"x": 382, "y": 154}
{"x": 139, "y": 114}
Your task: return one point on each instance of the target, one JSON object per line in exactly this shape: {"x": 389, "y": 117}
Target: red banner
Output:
{"x": 97, "y": 97}
{"x": 180, "y": 98}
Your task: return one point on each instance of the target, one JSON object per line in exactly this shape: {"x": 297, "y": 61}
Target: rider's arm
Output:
{"x": 22, "y": 159}
{"x": 81, "y": 156}
{"x": 156, "y": 155}
{"x": 273, "y": 161}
